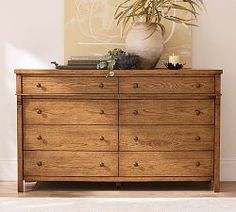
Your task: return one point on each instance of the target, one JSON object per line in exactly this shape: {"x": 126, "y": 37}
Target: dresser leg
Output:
{"x": 118, "y": 185}
{"x": 216, "y": 186}
{"x": 20, "y": 185}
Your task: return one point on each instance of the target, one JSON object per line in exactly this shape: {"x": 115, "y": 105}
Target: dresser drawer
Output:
{"x": 166, "y": 138}
{"x": 53, "y": 163}
{"x": 166, "y": 112}
{"x": 166, "y": 85}
{"x": 70, "y": 112}
{"x": 166, "y": 164}
{"x": 40, "y": 85}
{"x": 71, "y": 137}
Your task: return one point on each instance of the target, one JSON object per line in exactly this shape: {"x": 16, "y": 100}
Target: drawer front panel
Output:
{"x": 166, "y": 164}
{"x": 166, "y": 138}
{"x": 71, "y": 137}
{"x": 40, "y": 85}
{"x": 166, "y": 85}
{"x": 53, "y": 163}
{"x": 166, "y": 112}
{"x": 70, "y": 112}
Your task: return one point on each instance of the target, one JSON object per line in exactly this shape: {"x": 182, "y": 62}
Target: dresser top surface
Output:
{"x": 156, "y": 72}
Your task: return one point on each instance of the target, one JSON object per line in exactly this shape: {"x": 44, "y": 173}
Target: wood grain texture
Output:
{"x": 89, "y": 73}
{"x": 216, "y": 182}
{"x": 54, "y": 163}
{"x": 20, "y": 138}
{"x": 166, "y": 164}
{"x": 166, "y": 85}
{"x": 140, "y": 112}
{"x": 119, "y": 179}
{"x": 166, "y": 138}
{"x": 20, "y": 157}
{"x": 120, "y": 96}
{"x": 70, "y": 112}
{"x": 56, "y": 85}
{"x": 138, "y": 126}
{"x": 71, "y": 137}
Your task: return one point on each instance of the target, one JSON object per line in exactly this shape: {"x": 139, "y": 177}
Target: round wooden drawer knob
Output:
{"x": 198, "y": 138}
{"x": 198, "y": 112}
{"x": 136, "y": 164}
{"x": 39, "y": 85}
{"x": 198, "y": 164}
{"x": 101, "y": 85}
{"x": 136, "y": 138}
{"x": 198, "y": 85}
{"x": 135, "y": 112}
{"x": 136, "y": 85}
{"x": 39, "y": 163}
{"x": 102, "y": 164}
{"x": 39, "y": 138}
{"x": 39, "y": 111}
{"x": 102, "y": 112}
{"x": 102, "y": 138}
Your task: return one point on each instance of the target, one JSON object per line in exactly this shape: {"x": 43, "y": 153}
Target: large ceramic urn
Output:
{"x": 146, "y": 41}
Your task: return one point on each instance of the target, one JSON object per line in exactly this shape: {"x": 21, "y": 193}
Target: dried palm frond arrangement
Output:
{"x": 155, "y": 11}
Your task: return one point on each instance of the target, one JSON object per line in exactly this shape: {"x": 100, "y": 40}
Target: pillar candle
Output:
{"x": 174, "y": 59}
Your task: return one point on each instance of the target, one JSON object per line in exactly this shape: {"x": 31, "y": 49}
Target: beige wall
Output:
{"x": 214, "y": 46}
{"x": 31, "y": 36}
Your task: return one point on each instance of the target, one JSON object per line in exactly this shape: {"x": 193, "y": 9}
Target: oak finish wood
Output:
{"x": 69, "y": 85}
{"x": 131, "y": 73}
{"x": 166, "y": 112}
{"x": 216, "y": 181}
{"x": 71, "y": 137}
{"x": 120, "y": 96}
{"x": 70, "y": 112}
{"x": 54, "y": 163}
{"x": 166, "y": 138}
{"x": 166, "y": 85}
{"x": 166, "y": 164}
{"x": 20, "y": 135}
{"x": 138, "y": 126}
{"x": 119, "y": 179}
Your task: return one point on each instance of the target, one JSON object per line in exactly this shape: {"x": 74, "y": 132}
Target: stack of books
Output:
{"x": 84, "y": 62}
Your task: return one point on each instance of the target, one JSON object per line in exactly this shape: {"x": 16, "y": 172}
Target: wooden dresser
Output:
{"x": 135, "y": 126}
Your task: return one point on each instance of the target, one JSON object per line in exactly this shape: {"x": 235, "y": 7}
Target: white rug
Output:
{"x": 118, "y": 205}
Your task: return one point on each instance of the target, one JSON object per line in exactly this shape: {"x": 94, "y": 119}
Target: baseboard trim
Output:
{"x": 228, "y": 169}
{"x": 8, "y": 169}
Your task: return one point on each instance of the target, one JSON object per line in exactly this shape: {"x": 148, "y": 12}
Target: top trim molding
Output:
{"x": 156, "y": 72}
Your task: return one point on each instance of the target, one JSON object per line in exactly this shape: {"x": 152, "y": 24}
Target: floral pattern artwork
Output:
{"x": 90, "y": 29}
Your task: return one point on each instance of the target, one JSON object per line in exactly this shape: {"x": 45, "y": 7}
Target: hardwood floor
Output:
{"x": 109, "y": 190}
